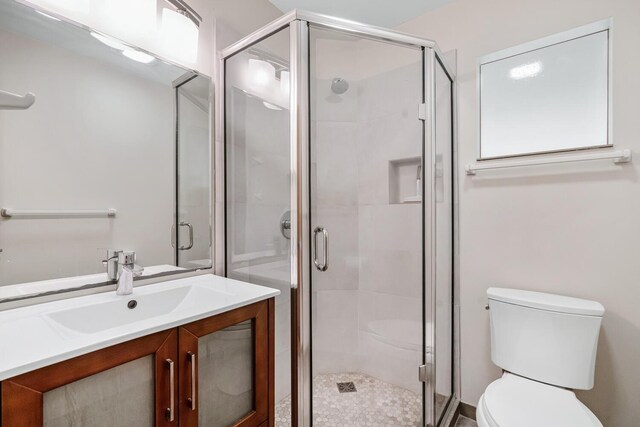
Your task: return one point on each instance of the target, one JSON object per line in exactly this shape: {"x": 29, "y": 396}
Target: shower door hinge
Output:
{"x": 423, "y": 373}
{"x": 422, "y": 111}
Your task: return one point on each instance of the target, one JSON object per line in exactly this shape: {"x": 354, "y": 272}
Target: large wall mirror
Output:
{"x": 547, "y": 95}
{"x": 112, "y": 151}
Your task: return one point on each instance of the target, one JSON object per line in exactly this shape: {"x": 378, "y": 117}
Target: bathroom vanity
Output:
{"x": 194, "y": 351}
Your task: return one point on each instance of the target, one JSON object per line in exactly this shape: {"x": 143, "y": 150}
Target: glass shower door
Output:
{"x": 257, "y": 186}
{"x": 193, "y": 184}
{"x": 366, "y": 222}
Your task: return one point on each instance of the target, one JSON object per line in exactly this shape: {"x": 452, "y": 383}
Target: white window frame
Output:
{"x": 582, "y": 31}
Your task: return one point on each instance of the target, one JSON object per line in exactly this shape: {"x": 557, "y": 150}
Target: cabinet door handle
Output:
{"x": 192, "y": 400}
{"x": 170, "y": 412}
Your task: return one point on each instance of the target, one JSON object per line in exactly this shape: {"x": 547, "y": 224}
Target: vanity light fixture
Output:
{"x": 109, "y": 41}
{"x": 525, "y": 71}
{"x": 136, "y": 55}
{"x": 179, "y": 31}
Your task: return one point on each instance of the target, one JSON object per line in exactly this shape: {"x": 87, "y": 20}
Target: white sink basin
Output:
{"x": 59, "y": 330}
{"x": 128, "y": 309}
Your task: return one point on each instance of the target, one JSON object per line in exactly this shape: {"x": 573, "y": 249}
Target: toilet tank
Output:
{"x": 548, "y": 338}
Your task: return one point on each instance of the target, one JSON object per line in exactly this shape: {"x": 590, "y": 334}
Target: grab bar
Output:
{"x": 39, "y": 213}
{"x": 12, "y": 101}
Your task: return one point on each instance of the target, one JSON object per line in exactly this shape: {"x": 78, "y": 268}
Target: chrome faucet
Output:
{"x": 121, "y": 266}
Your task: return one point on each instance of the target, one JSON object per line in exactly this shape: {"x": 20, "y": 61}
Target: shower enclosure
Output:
{"x": 337, "y": 161}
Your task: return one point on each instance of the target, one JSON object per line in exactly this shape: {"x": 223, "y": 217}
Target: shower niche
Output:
{"x": 405, "y": 180}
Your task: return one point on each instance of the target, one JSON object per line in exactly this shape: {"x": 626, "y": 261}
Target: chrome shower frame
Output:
{"x": 298, "y": 22}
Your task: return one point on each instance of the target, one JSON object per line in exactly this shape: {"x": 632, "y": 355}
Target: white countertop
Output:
{"x": 40, "y": 335}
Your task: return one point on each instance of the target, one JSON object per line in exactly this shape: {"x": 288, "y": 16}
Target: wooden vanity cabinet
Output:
{"x": 218, "y": 371}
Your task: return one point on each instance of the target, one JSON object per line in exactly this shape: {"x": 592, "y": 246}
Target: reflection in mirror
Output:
{"x": 113, "y": 152}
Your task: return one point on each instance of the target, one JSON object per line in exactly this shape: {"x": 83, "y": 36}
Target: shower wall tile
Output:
{"x": 390, "y": 249}
{"x": 261, "y": 127}
{"x": 331, "y": 107}
{"x": 336, "y": 154}
{"x": 335, "y": 361}
{"x": 379, "y": 98}
{"x": 392, "y": 137}
{"x": 257, "y": 229}
{"x": 260, "y": 184}
{"x": 267, "y": 177}
{"x": 374, "y": 306}
{"x": 335, "y": 331}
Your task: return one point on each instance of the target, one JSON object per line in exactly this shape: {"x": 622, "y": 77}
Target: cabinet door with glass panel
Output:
{"x": 226, "y": 369}
{"x": 132, "y": 383}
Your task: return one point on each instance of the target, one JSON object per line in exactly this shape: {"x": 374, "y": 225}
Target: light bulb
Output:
{"x": 179, "y": 36}
{"x": 261, "y": 73}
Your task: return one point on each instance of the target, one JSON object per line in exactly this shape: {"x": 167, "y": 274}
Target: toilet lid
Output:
{"x": 516, "y": 401}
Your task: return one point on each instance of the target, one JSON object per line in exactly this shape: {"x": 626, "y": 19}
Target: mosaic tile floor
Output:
{"x": 374, "y": 404}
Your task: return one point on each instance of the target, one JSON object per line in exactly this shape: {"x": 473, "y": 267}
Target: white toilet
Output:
{"x": 546, "y": 344}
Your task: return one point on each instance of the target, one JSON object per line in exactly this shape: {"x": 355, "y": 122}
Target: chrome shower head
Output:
{"x": 339, "y": 86}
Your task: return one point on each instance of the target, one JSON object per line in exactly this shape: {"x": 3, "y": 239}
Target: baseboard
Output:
{"x": 467, "y": 410}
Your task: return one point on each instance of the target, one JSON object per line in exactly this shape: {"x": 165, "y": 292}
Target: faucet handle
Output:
{"x": 126, "y": 257}
{"x": 112, "y": 254}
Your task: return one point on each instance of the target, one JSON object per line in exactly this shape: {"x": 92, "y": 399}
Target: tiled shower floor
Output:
{"x": 375, "y": 403}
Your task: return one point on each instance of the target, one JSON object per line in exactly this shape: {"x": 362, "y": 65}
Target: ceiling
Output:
{"x": 383, "y": 13}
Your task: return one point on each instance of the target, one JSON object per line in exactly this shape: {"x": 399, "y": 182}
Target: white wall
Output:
{"x": 568, "y": 229}
{"x": 78, "y": 148}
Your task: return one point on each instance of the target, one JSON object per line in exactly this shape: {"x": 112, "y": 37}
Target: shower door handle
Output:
{"x": 325, "y": 249}
{"x": 190, "y": 228}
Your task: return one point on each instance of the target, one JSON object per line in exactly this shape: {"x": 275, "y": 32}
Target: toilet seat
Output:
{"x": 514, "y": 401}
